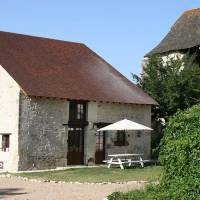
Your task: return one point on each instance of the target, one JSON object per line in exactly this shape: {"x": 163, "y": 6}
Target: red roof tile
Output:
{"x": 53, "y": 68}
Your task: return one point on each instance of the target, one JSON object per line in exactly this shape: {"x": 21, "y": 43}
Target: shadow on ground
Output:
{"x": 10, "y": 192}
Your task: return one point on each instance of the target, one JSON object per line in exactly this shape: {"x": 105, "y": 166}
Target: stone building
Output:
{"x": 54, "y": 95}
{"x": 183, "y": 37}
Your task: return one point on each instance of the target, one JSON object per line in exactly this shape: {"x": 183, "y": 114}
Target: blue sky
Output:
{"x": 121, "y": 31}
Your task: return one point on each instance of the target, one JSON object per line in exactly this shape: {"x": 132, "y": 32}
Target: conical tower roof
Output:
{"x": 184, "y": 34}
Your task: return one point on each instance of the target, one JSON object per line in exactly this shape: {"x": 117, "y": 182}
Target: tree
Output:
{"x": 174, "y": 83}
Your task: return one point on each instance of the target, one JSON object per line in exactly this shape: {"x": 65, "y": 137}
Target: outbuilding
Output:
{"x": 54, "y": 95}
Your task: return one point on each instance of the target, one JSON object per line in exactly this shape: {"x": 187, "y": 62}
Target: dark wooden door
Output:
{"x": 75, "y": 146}
{"x": 100, "y": 147}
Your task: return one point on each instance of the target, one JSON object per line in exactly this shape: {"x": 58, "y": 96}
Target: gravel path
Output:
{"x": 15, "y": 189}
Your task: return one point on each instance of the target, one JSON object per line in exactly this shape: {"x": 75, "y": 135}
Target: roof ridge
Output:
{"x": 41, "y": 37}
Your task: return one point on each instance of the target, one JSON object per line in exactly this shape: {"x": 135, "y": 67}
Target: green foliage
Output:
{"x": 180, "y": 155}
{"x": 174, "y": 84}
{"x": 137, "y": 195}
{"x": 149, "y": 193}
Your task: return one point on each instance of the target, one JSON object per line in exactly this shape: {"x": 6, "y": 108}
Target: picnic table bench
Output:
{"x": 123, "y": 159}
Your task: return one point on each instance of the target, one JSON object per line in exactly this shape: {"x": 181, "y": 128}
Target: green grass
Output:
{"x": 141, "y": 194}
{"x": 98, "y": 174}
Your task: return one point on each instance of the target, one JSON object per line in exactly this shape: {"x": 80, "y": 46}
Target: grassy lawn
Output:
{"x": 98, "y": 174}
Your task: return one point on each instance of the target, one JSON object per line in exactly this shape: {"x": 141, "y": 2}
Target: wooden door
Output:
{"x": 75, "y": 152}
{"x": 100, "y": 147}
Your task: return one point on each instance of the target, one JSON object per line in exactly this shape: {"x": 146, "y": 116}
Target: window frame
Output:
{"x": 77, "y": 113}
{"x": 120, "y": 139}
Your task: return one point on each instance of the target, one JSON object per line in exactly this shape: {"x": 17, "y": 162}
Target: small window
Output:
{"x": 138, "y": 134}
{"x": 77, "y": 111}
{"x": 80, "y": 111}
{"x": 120, "y": 138}
{"x": 5, "y": 142}
{"x": 100, "y": 141}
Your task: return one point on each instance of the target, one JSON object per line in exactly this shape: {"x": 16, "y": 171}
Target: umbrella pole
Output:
{"x": 125, "y": 141}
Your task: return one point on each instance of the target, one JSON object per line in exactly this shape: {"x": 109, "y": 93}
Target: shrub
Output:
{"x": 180, "y": 156}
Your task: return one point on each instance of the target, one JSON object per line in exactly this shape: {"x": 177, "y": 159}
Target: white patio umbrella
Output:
{"x": 125, "y": 124}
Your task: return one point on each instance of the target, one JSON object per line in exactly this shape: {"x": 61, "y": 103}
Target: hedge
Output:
{"x": 180, "y": 156}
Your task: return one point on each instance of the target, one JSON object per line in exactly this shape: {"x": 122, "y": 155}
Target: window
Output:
{"x": 80, "y": 111}
{"x": 100, "y": 140}
{"x": 120, "y": 138}
{"x": 5, "y": 142}
{"x": 138, "y": 134}
{"x": 77, "y": 111}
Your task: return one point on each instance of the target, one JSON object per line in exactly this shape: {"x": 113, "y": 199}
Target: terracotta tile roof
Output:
{"x": 53, "y": 68}
{"x": 184, "y": 34}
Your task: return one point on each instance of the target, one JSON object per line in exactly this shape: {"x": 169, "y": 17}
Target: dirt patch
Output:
{"x": 15, "y": 189}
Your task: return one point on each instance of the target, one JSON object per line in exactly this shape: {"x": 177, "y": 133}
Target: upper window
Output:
{"x": 5, "y": 142}
{"x": 77, "y": 111}
{"x": 120, "y": 138}
{"x": 80, "y": 111}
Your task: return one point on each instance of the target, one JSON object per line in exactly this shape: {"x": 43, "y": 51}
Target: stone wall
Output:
{"x": 9, "y": 116}
{"x": 110, "y": 113}
{"x": 89, "y": 136}
{"x": 136, "y": 143}
{"x": 42, "y": 137}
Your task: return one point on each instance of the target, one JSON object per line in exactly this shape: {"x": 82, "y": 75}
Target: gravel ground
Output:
{"x": 15, "y": 189}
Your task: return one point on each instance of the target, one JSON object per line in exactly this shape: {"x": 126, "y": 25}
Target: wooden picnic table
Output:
{"x": 123, "y": 159}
